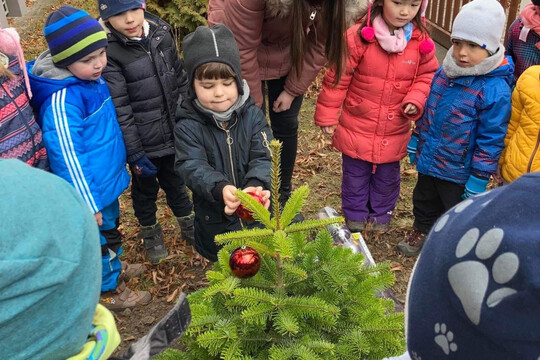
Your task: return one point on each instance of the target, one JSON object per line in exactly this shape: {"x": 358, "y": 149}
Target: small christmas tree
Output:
{"x": 309, "y": 300}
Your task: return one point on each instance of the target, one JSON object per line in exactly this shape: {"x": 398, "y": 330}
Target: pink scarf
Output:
{"x": 531, "y": 21}
{"x": 391, "y": 43}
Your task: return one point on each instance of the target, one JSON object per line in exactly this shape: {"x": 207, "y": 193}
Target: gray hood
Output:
{"x": 44, "y": 67}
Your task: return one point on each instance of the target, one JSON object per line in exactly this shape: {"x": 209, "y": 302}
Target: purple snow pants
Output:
{"x": 368, "y": 196}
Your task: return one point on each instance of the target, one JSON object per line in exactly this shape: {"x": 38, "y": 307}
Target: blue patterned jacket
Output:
{"x": 464, "y": 124}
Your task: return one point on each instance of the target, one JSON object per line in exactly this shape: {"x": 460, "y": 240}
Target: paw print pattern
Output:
{"x": 445, "y": 339}
{"x": 469, "y": 279}
{"x": 415, "y": 356}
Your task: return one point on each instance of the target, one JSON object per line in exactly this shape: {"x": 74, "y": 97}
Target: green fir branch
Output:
{"x": 309, "y": 225}
{"x": 294, "y": 205}
{"x": 275, "y": 148}
{"x": 256, "y": 233}
{"x": 257, "y": 209}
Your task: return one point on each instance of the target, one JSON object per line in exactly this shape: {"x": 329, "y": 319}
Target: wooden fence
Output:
{"x": 11, "y": 8}
{"x": 440, "y": 14}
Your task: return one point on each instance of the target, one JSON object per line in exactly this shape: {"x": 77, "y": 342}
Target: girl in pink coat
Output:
{"x": 391, "y": 61}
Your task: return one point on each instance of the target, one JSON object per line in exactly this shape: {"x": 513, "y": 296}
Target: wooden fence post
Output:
{"x": 16, "y": 7}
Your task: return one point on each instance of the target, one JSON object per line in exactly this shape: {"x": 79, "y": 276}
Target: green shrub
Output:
{"x": 183, "y": 15}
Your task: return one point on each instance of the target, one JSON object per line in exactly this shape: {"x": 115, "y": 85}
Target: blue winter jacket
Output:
{"x": 82, "y": 136}
{"x": 464, "y": 124}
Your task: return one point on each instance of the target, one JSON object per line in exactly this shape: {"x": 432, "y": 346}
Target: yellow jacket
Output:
{"x": 522, "y": 142}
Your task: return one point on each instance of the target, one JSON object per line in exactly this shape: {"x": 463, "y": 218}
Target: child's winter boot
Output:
{"x": 124, "y": 298}
{"x": 153, "y": 242}
{"x": 412, "y": 245}
{"x": 187, "y": 230}
{"x": 130, "y": 271}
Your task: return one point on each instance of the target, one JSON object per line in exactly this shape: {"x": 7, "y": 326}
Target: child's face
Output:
{"x": 91, "y": 66}
{"x": 468, "y": 54}
{"x": 216, "y": 94}
{"x": 129, "y": 23}
{"x": 537, "y": 9}
{"x": 398, "y": 13}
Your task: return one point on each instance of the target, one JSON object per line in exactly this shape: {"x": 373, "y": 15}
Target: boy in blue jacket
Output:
{"x": 457, "y": 143}
{"x": 81, "y": 134}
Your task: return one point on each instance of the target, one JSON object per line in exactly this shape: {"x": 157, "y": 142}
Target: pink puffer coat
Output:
{"x": 262, "y": 30}
{"x": 371, "y": 96}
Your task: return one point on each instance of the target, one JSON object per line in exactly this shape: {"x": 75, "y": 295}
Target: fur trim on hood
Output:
{"x": 354, "y": 9}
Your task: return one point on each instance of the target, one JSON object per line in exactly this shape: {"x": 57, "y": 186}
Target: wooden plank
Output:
{"x": 442, "y": 13}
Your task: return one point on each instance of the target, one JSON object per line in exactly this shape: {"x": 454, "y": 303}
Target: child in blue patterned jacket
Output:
{"x": 81, "y": 134}
{"x": 457, "y": 143}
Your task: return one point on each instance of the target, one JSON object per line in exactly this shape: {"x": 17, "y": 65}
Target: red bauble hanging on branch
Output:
{"x": 245, "y": 262}
{"x": 244, "y": 213}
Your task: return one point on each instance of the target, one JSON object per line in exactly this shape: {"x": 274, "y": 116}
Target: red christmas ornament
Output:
{"x": 244, "y": 213}
{"x": 245, "y": 262}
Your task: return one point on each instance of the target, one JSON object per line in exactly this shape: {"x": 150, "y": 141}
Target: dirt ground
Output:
{"x": 318, "y": 165}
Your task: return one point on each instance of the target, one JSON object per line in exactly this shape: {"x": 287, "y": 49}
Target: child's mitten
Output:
{"x": 411, "y": 148}
{"x": 144, "y": 167}
{"x": 474, "y": 186}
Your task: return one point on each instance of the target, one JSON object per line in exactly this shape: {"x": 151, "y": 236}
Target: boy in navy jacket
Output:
{"x": 146, "y": 79}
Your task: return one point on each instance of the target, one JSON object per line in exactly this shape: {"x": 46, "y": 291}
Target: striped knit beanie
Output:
{"x": 72, "y": 34}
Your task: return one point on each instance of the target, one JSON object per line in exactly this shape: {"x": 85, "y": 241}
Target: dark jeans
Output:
{"x": 144, "y": 191}
{"x": 284, "y": 127}
{"x": 432, "y": 197}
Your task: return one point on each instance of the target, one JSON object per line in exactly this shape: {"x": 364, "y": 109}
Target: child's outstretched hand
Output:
{"x": 328, "y": 129}
{"x": 99, "y": 218}
{"x": 230, "y": 200}
{"x": 410, "y": 109}
{"x": 265, "y": 194}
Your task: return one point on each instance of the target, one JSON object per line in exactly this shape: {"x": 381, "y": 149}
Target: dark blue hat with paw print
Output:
{"x": 108, "y": 8}
{"x": 475, "y": 290}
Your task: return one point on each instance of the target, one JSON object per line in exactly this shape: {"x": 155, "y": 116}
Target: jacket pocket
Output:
{"x": 356, "y": 108}
{"x": 149, "y": 127}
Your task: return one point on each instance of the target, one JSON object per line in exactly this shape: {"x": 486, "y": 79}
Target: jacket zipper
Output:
{"x": 229, "y": 144}
{"x": 534, "y": 152}
{"x": 229, "y": 141}
{"x": 163, "y": 57}
{"x": 265, "y": 142}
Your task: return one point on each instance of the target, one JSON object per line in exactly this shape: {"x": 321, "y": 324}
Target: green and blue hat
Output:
{"x": 72, "y": 34}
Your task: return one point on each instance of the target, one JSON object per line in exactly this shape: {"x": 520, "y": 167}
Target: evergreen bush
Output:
{"x": 310, "y": 299}
{"x": 183, "y": 15}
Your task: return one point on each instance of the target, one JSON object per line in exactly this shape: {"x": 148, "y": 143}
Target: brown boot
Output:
{"x": 355, "y": 226}
{"x": 130, "y": 271}
{"x": 412, "y": 245}
{"x": 124, "y": 298}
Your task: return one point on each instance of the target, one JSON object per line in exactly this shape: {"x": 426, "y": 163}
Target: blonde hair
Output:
{"x": 5, "y": 72}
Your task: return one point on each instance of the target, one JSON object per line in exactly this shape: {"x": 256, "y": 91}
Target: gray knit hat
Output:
{"x": 214, "y": 44}
{"x": 482, "y": 22}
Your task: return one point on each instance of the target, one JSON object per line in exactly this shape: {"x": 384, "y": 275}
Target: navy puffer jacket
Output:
{"x": 146, "y": 79}
{"x": 208, "y": 158}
